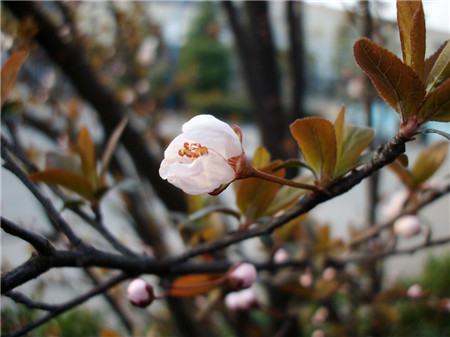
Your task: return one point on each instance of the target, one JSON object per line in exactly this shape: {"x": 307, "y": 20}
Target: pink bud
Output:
{"x": 407, "y": 226}
{"x": 306, "y": 279}
{"x": 242, "y": 276}
{"x": 329, "y": 274}
{"x": 240, "y": 300}
{"x": 281, "y": 255}
{"x": 140, "y": 293}
{"x": 415, "y": 292}
{"x": 320, "y": 316}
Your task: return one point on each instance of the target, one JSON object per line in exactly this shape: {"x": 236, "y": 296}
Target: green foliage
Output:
{"x": 436, "y": 275}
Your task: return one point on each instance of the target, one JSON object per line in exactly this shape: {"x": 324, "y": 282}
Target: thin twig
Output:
{"x": 21, "y": 298}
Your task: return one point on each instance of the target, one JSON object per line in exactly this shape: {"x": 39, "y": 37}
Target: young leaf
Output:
{"x": 429, "y": 161}
{"x": 430, "y": 61}
{"x": 411, "y": 23}
{"x": 441, "y": 69}
{"x": 253, "y": 196}
{"x": 437, "y": 104}
{"x": 351, "y": 141}
{"x": 66, "y": 179}
{"x": 193, "y": 285}
{"x": 395, "y": 82}
{"x": 86, "y": 150}
{"x": 402, "y": 172}
{"x": 317, "y": 140}
{"x": 261, "y": 157}
{"x": 287, "y": 196}
{"x": 10, "y": 70}
{"x": 111, "y": 146}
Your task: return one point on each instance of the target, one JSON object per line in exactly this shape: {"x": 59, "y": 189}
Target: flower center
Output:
{"x": 192, "y": 150}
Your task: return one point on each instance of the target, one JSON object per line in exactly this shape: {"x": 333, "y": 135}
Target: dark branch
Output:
{"x": 70, "y": 304}
{"x": 22, "y": 299}
{"x": 41, "y": 244}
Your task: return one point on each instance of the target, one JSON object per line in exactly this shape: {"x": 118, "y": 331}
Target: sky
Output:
{"x": 437, "y": 12}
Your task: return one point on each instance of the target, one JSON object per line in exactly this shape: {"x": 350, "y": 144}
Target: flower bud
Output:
{"x": 320, "y": 316}
{"x": 407, "y": 226}
{"x": 306, "y": 279}
{"x": 318, "y": 333}
{"x": 241, "y": 300}
{"x": 140, "y": 293}
{"x": 329, "y": 274}
{"x": 281, "y": 255}
{"x": 242, "y": 276}
{"x": 415, "y": 292}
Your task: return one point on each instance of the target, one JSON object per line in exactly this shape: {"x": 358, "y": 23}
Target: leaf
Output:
{"x": 411, "y": 23}
{"x": 193, "y": 285}
{"x": 107, "y": 332}
{"x": 436, "y": 106}
{"x": 351, "y": 141}
{"x": 261, "y": 157}
{"x": 441, "y": 69}
{"x": 287, "y": 196}
{"x": 402, "y": 172}
{"x": 67, "y": 162}
{"x": 429, "y": 161}
{"x": 317, "y": 140}
{"x": 430, "y": 61}
{"x": 395, "y": 82}
{"x": 66, "y": 179}
{"x": 86, "y": 150}
{"x": 10, "y": 70}
{"x": 253, "y": 196}
{"x": 111, "y": 146}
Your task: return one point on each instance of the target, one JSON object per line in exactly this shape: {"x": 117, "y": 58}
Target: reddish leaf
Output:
{"x": 66, "y": 179}
{"x": 437, "y": 104}
{"x": 317, "y": 140}
{"x": 10, "y": 70}
{"x": 411, "y": 23}
{"x": 86, "y": 150}
{"x": 193, "y": 285}
{"x": 395, "y": 82}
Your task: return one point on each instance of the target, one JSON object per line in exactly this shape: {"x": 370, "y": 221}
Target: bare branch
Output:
{"x": 21, "y": 298}
{"x": 41, "y": 244}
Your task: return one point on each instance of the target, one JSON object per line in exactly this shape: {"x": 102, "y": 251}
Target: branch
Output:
{"x": 41, "y": 244}
{"x": 45, "y": 202}
{"x": 375, "y": 230}
{"x": 22, "y": 299}
{"x": 70, "y": 304}
{"x": 384, "y": 155}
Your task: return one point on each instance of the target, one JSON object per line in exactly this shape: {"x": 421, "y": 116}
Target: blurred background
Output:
{"x": 260, "y": 65}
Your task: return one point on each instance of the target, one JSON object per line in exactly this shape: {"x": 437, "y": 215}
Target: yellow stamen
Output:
{"x": 192, "y": 150}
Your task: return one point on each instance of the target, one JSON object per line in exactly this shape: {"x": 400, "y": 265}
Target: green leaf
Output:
{"x": 402, "y": 172}
{"x": 430, "y": 61}
{"x": 428, "y": 162}
{"x": 67, "y": 179}
{"x": 10, "y": 70}
{"x": 411, "y": 23}
{"x": 287, "y": 196}
{"x": 317, "y": 141}
{"x": 441, "y": 69}
{"x": 395, "y": 82}
{"x": 351, "y": 142}
{"x": 436, "y": 106}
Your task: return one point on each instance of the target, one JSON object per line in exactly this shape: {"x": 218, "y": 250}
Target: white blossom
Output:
{"x": 204, "y": 157}
{"x": 407, "y": 226}
{"x": 240, "y": 300}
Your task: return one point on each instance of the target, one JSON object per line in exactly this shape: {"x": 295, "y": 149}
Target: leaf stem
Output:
{"x": 282, "y": 181}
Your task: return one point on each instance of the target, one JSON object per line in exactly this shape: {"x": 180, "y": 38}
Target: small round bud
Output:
{"x": 240, "y": 300}
{"x": 407, "y": 226}
{"x": 415, "y": 292}
{"x": 280, "y": 256}
{"x": 140, "y": 293}
{"x": 329, "y": 274}
{"x": 242, "y": 276}
{"x": 306, "y": 279}
{"x": 320, "y": 316}
{"x": 318, "y": 333}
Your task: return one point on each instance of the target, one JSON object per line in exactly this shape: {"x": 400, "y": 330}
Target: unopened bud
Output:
{"x": 242, "y": 276}
{"x": 318, "y": 333}
{"x": 320, "y": 316}
{"x": 140, "y": 293}
{"x": 280, "y": 256}
{"x": 415, "y": 292}
{"x": 407, "y": 226}
{"x": 240, "y": 300}
{"x": 329, "y": 274}
{"x": 306, "y": 279}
